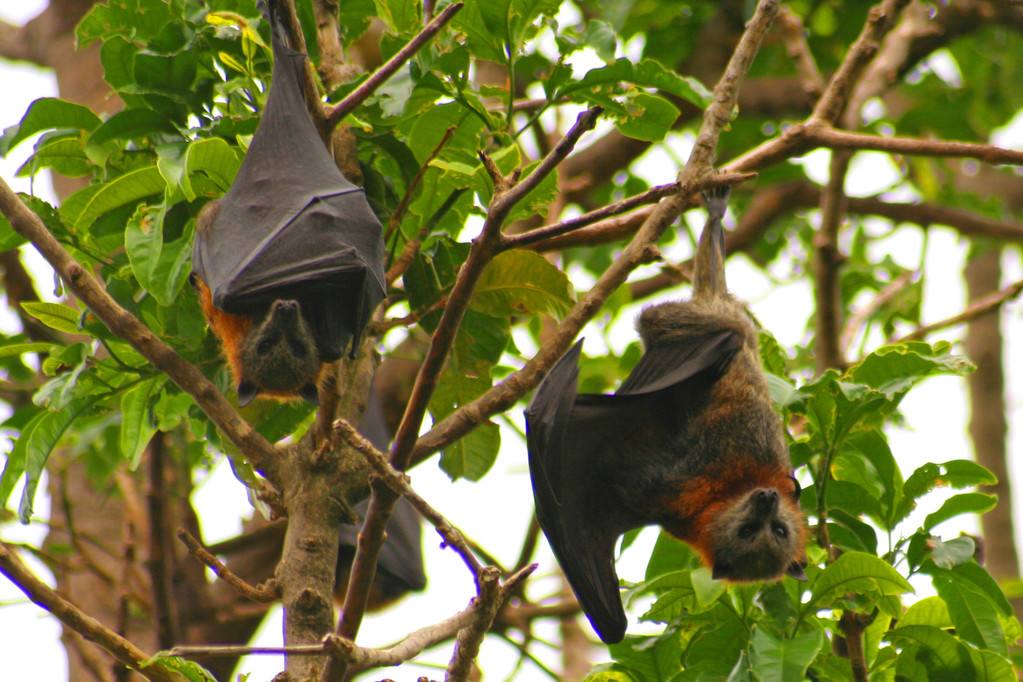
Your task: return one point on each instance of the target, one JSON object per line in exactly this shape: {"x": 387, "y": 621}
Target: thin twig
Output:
{"x": 76, "y": 619}
{"x": 859, "y": 319}
{"x": 825, "y": 136}
{"x": 881, "y": 19}
{"x": 265, "y": 593}
{"x": 981, "y": 306}
{"x": 406, "y": 199}
{"x": 128, "y": 327}
{"x": 398, "y": 482}
{"x": 794, "y": 36}
{"x": 386, "y": 70}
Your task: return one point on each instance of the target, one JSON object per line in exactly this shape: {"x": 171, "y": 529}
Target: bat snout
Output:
{"x": 764, "y": 501}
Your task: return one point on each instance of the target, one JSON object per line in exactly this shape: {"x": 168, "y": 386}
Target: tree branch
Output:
{"x": 825, "y": 136}
{"x": 826, "y": 263}
{"x": 981, "y": 306}
{"x": 386, "y": 70}
{"x": 128, "y": 327}
{"x": 265, "y": 593}
{"x": 832, "y": 103}
{"x": 77, "y": 620}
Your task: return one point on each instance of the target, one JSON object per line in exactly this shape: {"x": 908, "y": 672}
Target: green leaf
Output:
{"x": 472, "y": 455}
{"x": 978, "y": 576}
{"x": 893, "y": 370}
{"x": 857, "y": 572}
{"x": 966, "y": 503}
{"x": 779, "y": 659}
{"x": 138, "y": 19}
{"x": 16, "y": 349}
{"x": 400, "y": 16}
{"x": 947, "y": 656}
{"x": 649, "y": 658}
{"x": 47, "y": 113}
{"x": 648, "y": 117}
{"x": 137, "y": 427}
{"x": 647, "y": 73}
{"x": 161, "y": 268}
{"x": 55, "y": 316}
{"x": 131, "y": 124}
{"x": 215, "y": 158}
{"x": 974, "y": 616}
{"x": 63, "y": 154}
{"x": 958, "y": 473}
{"x": 123, "y": 190}
{"x": 190, "y": 670}
{"x": 45, "y": 435}
{"x": 522, "y": 282}
{"x": 14, "y": 466}
{"x": 928, "y": 611}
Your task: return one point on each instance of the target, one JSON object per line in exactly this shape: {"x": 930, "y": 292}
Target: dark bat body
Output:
{"x": 291, "y": 228}
{"x": 690, "y": 441}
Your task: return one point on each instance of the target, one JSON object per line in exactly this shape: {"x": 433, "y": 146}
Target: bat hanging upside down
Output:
{"x": 289, "y": 264}
{"x": 689, "y": 441}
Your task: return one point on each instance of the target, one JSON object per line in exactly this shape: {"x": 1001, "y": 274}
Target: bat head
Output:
{"x": 279, "y": 355}
{"x": 759, "y": 536}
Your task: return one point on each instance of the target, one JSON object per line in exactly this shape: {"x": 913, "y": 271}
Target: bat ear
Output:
{"x": 193, "y": 279}
{"x": 795, "y": 570}
{"x": 247, "y": 391}
{"x": 310, "y": 394}
{"x": 796, "y": 490}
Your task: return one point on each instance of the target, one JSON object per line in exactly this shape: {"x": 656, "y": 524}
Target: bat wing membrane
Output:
{"x": 579, "y": 448}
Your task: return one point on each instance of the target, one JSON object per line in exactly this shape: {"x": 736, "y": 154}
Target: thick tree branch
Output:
{"x": 827, "y": 261}
{"x": 386, "y": 70}
{"x": 75, "y": 619}
{"x": 128, "y": 327}
{"x": 832, "y": 138}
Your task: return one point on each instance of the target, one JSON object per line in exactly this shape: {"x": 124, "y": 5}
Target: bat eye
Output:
{"x": 780, "y": 529}
{"x": 747, "y": 531}
{"x": 265, "y": 346}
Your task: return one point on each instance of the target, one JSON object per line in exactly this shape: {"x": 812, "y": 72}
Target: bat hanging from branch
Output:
{"x": 289, "y": 264}
{"x": 689, "y": 441}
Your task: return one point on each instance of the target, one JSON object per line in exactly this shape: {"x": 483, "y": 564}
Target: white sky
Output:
{"x": 495, "y": 512}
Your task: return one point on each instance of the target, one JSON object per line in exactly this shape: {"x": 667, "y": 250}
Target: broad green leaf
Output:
{"x": 647, "y": 73}
{"x": 45, "y": 435}
{"x": 780, "y": 659}
{"x": 965, "y": 503}
{"x": 782, "y": 392}
{"x": 55, "y": 316}
{"x": 893, "y": 370}
{"x": 978, "y": 576}
{"x": 17, "y": 457}
{"x": 649, "y": 658}
{"x": 973, "y": 614}
{"x": 15, "y": 349}
{"x": 400, "y": 16}
{"x": 213, "y": 157}
{"x": 930, "y": 611}
{"x": 522, "y": 282}
{"x": 959, "y": 473}
{"x": 47, "y": 113}
{"x": 63, "y": 154}
{"x": 648, "y": 117}
{"x": 190, "y": 670}
{"x": 472, "y": 455}
{"x": 138, "y": 19}
{"x": 137, "y": 427}
{"x": 857, "y": 572}
{"x": 948, "y": 656}
{"x": 131, "y": 124}
{"x": 121, "y": 191}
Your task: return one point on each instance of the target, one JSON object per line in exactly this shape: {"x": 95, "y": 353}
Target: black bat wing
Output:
{"x": 582, "y": 450}
{"x": 292, "y": 226}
